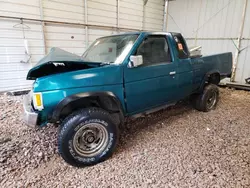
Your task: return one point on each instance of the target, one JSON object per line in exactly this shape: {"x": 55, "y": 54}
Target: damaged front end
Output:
{"x": 57, "y": 61}
{"x": 61, "y": 74}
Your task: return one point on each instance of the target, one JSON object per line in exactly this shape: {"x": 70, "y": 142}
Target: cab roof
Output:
{"x": 141, "y": 32}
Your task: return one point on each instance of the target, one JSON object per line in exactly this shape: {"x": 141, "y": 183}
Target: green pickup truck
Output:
{"x": 118, "y": 76}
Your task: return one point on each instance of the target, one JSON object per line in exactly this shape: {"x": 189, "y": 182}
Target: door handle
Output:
{"x": 172, "y": 73}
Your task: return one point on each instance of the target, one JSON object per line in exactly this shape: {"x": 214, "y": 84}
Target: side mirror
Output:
{"x": 135, "y": 61}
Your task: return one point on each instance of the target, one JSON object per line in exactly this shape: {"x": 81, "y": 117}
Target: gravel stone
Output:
{"x": 179, "y": 147}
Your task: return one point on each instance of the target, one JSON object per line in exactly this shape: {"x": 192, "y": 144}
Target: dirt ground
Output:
{"x": 179, "y": 147}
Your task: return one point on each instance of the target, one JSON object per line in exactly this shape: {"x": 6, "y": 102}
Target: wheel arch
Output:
{"x": 211, "y": 77}
{"x": 104, "y": 99}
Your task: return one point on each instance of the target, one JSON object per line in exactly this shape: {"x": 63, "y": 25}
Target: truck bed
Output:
{"x": 221, "y": 63}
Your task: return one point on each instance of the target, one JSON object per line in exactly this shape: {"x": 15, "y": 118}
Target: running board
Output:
{"x": 152, "y": 110}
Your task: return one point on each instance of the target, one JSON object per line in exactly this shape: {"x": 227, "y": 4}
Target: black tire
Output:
{"x": 71, "y": 139}
{"x": 207, "y": 100}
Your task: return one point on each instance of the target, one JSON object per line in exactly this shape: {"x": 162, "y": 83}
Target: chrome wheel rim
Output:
{"x": 90, "y": 140}
{"x": 211, "y": 101}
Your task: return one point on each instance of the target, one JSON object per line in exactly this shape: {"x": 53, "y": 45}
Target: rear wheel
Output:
{"x": 207, "y": 100}
{"x": 87, "y": 137}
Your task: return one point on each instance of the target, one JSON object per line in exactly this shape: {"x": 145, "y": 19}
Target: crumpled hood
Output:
{"x": 59, "y": 55}
{"x": 63, "y": 70}
{"x": 58, "y": 61}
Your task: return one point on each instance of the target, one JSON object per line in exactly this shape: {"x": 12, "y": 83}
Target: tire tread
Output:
{"x": 199, "y": 101}
{"x": 67, "y": 125}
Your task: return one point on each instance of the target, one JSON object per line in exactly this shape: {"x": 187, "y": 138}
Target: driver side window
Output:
{"x": 154, "y": 50}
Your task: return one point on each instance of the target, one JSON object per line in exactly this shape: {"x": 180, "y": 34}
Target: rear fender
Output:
{"x": 207, "y": 77}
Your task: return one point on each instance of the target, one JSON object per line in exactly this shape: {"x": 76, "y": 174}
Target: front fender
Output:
{"x": 51, "y": 99}
{"x": 72, "y": 98}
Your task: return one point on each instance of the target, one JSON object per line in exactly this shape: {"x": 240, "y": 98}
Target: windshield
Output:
{"x": 112, "y": 49}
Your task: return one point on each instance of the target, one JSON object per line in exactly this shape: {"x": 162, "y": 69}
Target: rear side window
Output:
{"x": 154, "y": 49}
{"x": 181, "y": 46}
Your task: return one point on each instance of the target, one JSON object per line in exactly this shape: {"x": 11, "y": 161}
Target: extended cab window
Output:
{"x": 154, "y": 50}
{"x": 181, "y": 46}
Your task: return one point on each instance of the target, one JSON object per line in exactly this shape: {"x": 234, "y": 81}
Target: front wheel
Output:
{"x": 87, "y": 137}
{"x": 207, "y": 100}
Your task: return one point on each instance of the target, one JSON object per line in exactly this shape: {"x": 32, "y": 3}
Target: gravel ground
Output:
{"x": 179, "y": 147}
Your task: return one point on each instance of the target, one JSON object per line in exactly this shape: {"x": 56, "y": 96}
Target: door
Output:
{"x": 154, "y": 82}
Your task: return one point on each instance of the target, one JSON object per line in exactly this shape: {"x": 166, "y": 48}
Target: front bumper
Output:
{"x": 29, "y": 116}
